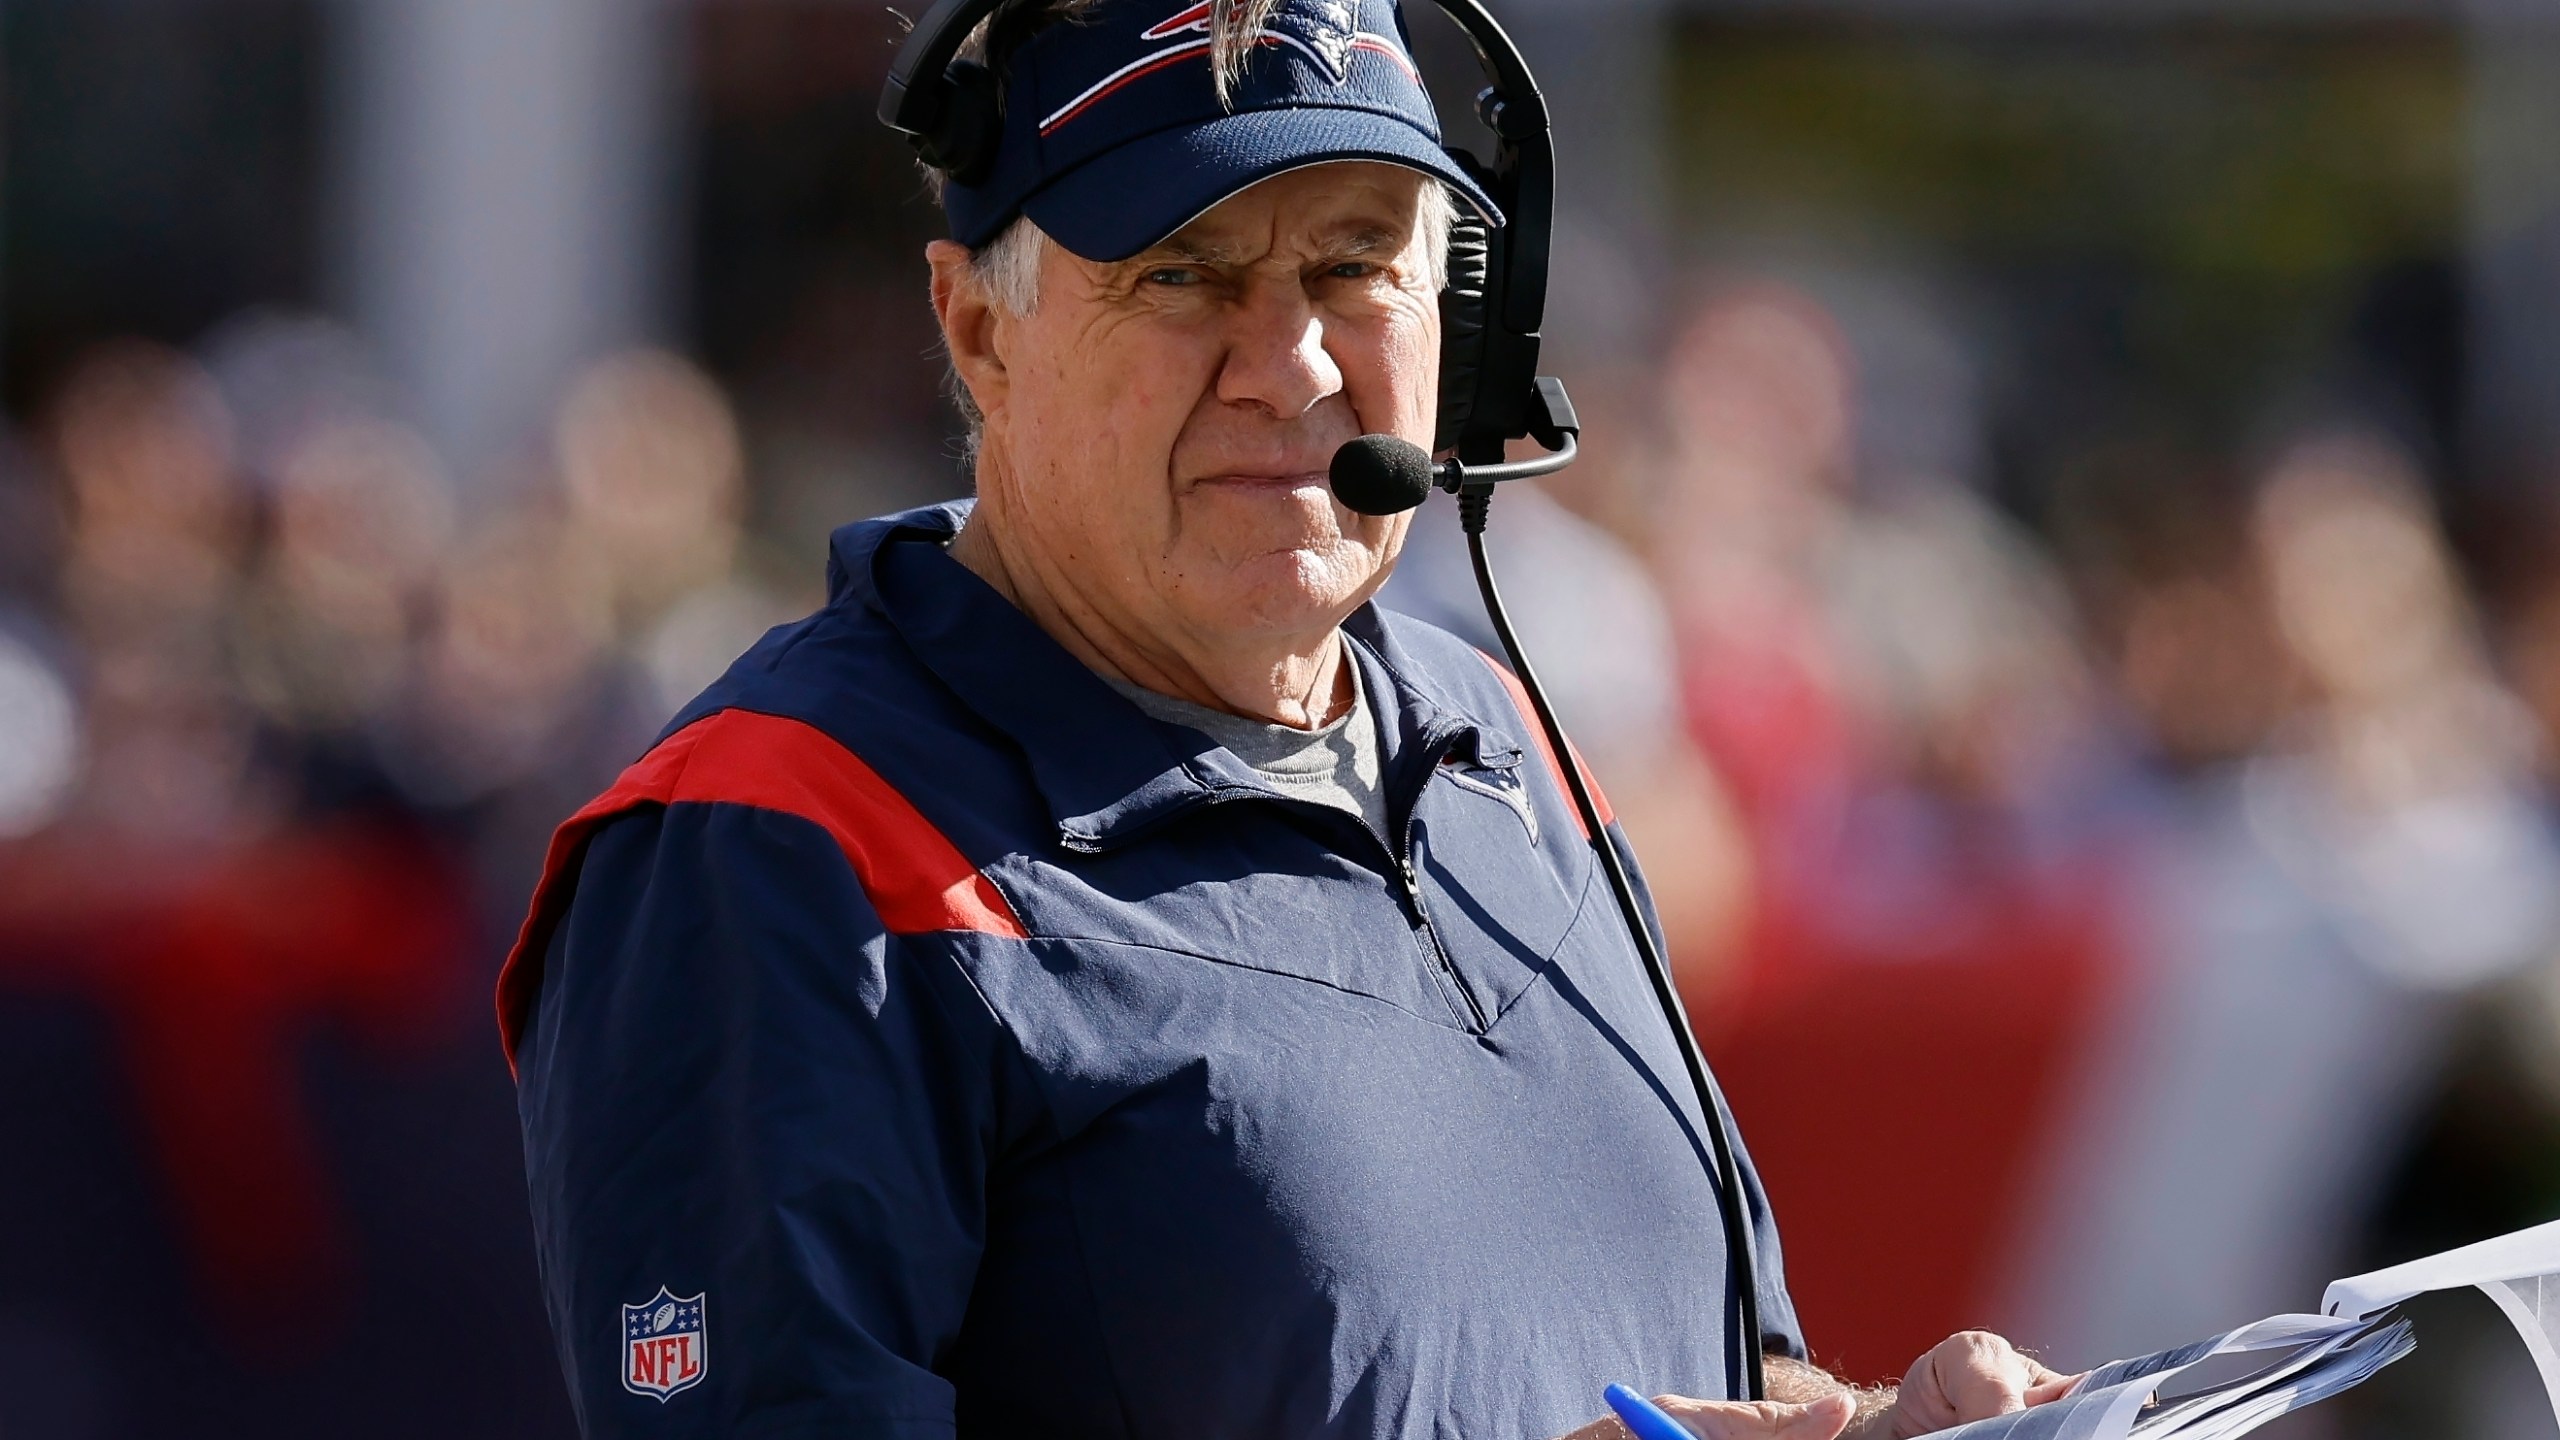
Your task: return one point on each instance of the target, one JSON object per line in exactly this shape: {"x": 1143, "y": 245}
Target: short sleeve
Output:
{"x": 737, "y": 1086}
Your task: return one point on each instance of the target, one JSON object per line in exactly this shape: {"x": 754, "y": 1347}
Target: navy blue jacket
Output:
{"x": 921, "y": 1037}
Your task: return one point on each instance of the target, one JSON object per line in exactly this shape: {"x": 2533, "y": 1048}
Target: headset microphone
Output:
{"x": 1381, "y": 475}
{"x": 1387, "y": 475}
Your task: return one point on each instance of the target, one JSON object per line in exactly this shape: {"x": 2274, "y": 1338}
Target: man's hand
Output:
{"x": 1821, "y": 1419}
{"x": 1969, "y": 1376}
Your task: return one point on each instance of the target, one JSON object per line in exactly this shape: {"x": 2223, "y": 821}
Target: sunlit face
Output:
{"x": 1164, "y": 423}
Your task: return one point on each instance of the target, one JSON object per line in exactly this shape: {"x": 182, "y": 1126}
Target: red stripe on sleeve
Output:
{"x": 1538, "y": 735}
{"x": 917, "y": 880}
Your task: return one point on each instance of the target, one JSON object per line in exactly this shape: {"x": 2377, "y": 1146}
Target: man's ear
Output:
{"x": 969, "y": 324}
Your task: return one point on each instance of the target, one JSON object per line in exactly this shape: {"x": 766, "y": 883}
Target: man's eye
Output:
{"x": 1353, "y": 270}
{"x": 1173, "y": 276}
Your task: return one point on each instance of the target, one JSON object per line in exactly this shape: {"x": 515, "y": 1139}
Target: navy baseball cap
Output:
{"x": 1115, "y": 136}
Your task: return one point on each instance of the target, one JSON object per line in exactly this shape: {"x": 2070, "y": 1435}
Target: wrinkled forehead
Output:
{"x": 1337, "y": 206}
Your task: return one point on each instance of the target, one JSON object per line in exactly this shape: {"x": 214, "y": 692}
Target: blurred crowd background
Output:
{"x": 2065, "y": 591}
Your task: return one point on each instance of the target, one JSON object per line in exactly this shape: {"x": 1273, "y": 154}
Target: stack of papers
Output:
{"x": 2309, "y": 1359}
{"x": 2306, "y": 1358}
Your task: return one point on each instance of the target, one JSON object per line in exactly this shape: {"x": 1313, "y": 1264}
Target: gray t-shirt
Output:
{"x": 1336, "y": 764}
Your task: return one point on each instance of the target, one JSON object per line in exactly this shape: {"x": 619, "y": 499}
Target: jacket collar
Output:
{"x": 1105, "y": 769}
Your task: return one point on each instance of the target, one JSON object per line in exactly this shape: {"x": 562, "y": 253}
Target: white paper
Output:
{"x": 2524, "y": 1255}
{"x": 2521, "y": 1272}
{"x": 2313, "y": 1356}
{"x": 2324, "y": 1354}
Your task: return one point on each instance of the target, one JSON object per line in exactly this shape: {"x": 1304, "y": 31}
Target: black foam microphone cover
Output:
{"x": 1381, "y": 475}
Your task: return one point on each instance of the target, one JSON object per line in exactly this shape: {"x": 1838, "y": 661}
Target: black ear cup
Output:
{"x": 1466, "y": 309}
{"x": 965, "y": 139}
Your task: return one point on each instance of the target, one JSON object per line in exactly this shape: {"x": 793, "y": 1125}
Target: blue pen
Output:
{"x": 1648, "y": 1420}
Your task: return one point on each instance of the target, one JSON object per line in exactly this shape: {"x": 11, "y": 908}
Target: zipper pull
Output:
{"x": 1412, "y": 878}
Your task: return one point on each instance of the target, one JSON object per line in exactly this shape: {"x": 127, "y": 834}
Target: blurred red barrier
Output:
{"x": 215, "y": 970}
{"x": 1898, "y": 1103}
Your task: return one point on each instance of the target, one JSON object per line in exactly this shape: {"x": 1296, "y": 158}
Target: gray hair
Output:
{"x": 1007, "y": 268}
{"x": 1007, "y": 271}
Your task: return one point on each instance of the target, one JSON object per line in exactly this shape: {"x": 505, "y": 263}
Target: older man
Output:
{"x": 1098, "y": 975}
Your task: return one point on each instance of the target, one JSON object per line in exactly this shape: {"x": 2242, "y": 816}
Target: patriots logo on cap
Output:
{"x": 665, "y": 1345}
{"x": 1327, "y": 32}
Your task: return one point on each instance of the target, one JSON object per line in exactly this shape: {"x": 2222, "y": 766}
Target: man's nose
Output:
{"x": 1276, "y": 358}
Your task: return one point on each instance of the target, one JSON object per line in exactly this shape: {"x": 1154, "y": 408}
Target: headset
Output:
{"x": 1491, "y": 313}
{"x": 1496, "y": 297}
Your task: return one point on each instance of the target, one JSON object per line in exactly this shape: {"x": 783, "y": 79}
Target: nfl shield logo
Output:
{"x": 663, "y": 1345}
